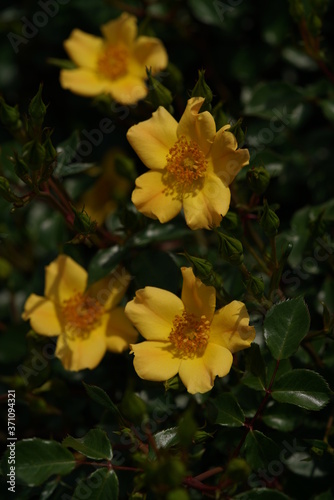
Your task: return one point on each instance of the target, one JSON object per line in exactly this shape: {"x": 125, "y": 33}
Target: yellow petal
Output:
{"x": 82, "y": 81}
{"x": 110, "y": 290}
{"x": 230, "y": 327}
{"x": 197, "y": 298}
{"x": 152, "y": 311}
{"x": 229, "y": 165}
{"x": 205, "y": 208}
{"x": 128, "y": 89}
{"x": 63, "y": 279}
{"x": 78, "y": 354}
{"x": 149, "y": 52}
{"x": 84, "y": 49}
{"x": 123, "y": 29}
{"x": 150, "y": 198}
{"x": 224, "y": 142}
{"x": 198, "y": 374}
{"x": 120, "y": 332}
{"x": 154, "y": 361}
{"x": 153, "y": 138}
{"x": 198, "y": 127}
{"x": 43, "y": 316}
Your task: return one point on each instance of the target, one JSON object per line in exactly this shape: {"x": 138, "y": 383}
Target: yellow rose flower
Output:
{"x": 186, "y": 336}
{"x": 191, "y": 166}
{"x": 115, "y": 64}
{"x": 109, "y": 189}
{"x": 87, "y": 322}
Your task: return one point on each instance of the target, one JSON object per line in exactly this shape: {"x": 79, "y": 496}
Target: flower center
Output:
{"x": 186, "y": 162}
{"x": 81, "y": 314}
{"x": 113, "y": 63}
{"x": 189, "y": 335}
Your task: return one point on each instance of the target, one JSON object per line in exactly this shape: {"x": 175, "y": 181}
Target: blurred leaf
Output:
{"x": 259, "y": 450}
{"x": 261, "y": 494}
{"x": 37, "y": 460}
{"x": 66, "y": 152}
{"x": 285, "y": 325}
{"x": 95, "y": 444}
{"x": 166, "y": 438}
{"x": 105, "y": 261}
{"x": 229, "y": 412}
{"x": 304, "y": 388}
{"x": 327, "y": 109}
{"x": 73, "y": 169}
{"x": 102, "y": 483}
{"x": 158, "y": 232}
{"x": 206, "y": 12}
{"x": 274, "y": 100}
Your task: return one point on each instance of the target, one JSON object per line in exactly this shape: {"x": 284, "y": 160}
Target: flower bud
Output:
{"x": 230, "y": 222}
{"x": 50, "y": 151}
{"x": 230, "y": 249}
{"x": 238, "y": 133}
{"x": 202, "y": 267}
{"x": 202, "y": 89}
{"x": 258, "y": 179}
{"x": 82, "y": 222}
{"x": 34, "y": 155}
{"x": 238, "y": 470}
{"x": 172, "y": 384}
{"x": 269, "y": 221}
{"x": 21, "y": 169}
{"x": 6, "y": 192}
{"x": 37, "y": 108}
{"x": 10, "y": 116}
{"x": 125, "y": 167}
{"x": 158, "y": 94}
{"x": 255, "y": 286}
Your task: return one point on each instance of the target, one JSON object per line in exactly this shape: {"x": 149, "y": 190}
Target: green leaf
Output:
{"x": 259, "y": 450}
{"x": 95, "y": 444}
{"x": 285, "y": 325}
{"x": 38, "y": 459}
{"x": 158, "y": 232}
{"x": 282, "y": 417}
{"x": 100, "y": 396}
{"x": 261, "y": 494}
{"x": 105, "y": 261}
{"x": 304, "y": 388}
{"x": 207, "y": 12}
{"x": 229, "y": 412}
{"x": 102, "y": 483}
{"x": 74, "y": 168}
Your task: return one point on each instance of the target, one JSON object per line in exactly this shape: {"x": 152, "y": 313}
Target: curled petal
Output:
{"x": 153, "y": 138}
{"x": 123, "y": 29}
{"x": 152, "y": 311}
{"x": 154, "y": 361}
{"x": 224, "y": 142}
{"x": 205, "y": 207}
{"x": 198, "y": 127}
{"x": 151, "y": 199}
{"x": 198, "y": 374}
{"x": 230, "y": 327}
{"x": 84, "y": 49}
{"x": 43, "y": 315}
{"x": 229, "y": 165}
{"x": 120, "y": 332}
{"x": 197, "y": 298}
{"x": 63, "y": 279}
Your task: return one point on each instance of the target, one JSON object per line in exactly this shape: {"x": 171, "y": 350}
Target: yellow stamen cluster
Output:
{"x": 113, "y": 63}
{"x": 189, "y": 335}
{"x": 186, "y": 162}
{"x": 81, "y": 314}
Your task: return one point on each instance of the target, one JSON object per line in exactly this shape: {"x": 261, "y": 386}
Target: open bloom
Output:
{"x": 115, "y": 64}
{"x": 86, "y": 322}
{"x": 186, "y": 336}
{"x": 191, "y": 166}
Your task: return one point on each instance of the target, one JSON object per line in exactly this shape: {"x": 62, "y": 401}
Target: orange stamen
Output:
{"x": 81, "y": 314}
{"x": 189, "y": 335}
{"x": 113, "y": 63}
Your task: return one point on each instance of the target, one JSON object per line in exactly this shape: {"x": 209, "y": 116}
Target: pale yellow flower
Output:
{"x": 109, "y": 189}
{"x": 115, "y": 64}
{"x": 191, "y": 166}
{"x": 87, "y": 322}
{"x": 186, "y": 336}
